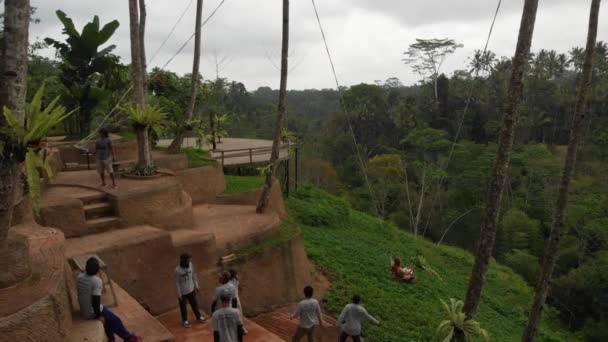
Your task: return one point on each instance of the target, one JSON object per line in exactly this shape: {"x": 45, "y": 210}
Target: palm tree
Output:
{"x": 176, "y": 144}
{"x": 136, "y": 55}
{"x": 13, "y": 78}
{"x": 550, "y": 256}
{"x": 278, "y": 129}
{"x": 496, "y": 186}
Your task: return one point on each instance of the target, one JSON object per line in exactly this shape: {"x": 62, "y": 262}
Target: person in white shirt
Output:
{"x": 186, "y": 283}
{"x": 225, "y": 287}
{"x": 309, "y": 312}
{"x": 227, "y": 323}
{"x": 234, "y": 280}
{"x": 350, "y": 320}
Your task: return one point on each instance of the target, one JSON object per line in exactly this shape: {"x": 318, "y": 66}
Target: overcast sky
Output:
{"x": 366, "y": 37}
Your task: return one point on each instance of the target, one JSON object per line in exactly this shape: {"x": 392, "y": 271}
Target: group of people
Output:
{"x": 227, "y": 314}
{"x": 308, "y": 311}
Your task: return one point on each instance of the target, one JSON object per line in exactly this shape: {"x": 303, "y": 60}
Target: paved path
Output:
{"x": 260, "y": 150}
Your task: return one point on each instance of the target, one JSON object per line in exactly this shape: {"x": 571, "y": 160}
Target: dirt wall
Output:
{"x": 203, "y": 184}
{"x": 167, "y": 206}
{"x": 66, "y": 214}
{"x": 251, "y": 198}
{"x": 47, "y": 318}
{"x": 277, "y": 277}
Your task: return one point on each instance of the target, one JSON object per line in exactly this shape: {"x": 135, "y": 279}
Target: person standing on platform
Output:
{"x": 186, "y": 283}
{"x": 309, "y": 312}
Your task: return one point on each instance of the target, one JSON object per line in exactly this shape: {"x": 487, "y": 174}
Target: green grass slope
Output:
{"x": 354, "y": 250}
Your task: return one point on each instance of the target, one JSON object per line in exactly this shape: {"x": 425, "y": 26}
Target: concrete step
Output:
{"x": 103, "y": 223}
{"x": 95, "y": 210}
{"x": 92, "y": 197}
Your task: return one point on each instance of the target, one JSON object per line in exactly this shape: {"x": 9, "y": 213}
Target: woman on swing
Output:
{"x": 403, "y": 273}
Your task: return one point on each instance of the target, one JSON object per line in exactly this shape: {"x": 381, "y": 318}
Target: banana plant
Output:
{"x": 457, "y": 328}
{"x": 27, "y": 139}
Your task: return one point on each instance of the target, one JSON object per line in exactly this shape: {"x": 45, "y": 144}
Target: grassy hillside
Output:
{"x": 354, "y": 250}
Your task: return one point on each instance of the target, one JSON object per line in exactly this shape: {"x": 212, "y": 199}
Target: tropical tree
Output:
{"x": 497, "y": 182}
{"x": 458, "y": 328}
{"x": 276, "y": 142}
{"x": 143, "y": 119}
{"x": 83, "y": 61}
{"x": 178, "y": 140}
{"x": 426, "y": 56}
{"x": 13, "y": 78}
{"x": 550, "y": 257}
{"x": 137, "y": 62}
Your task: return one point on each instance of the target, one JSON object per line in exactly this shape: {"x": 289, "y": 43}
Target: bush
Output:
{"x": 142, "y": 171}
{"x": 523, "y": 263}
{"x": 324, "y": 211}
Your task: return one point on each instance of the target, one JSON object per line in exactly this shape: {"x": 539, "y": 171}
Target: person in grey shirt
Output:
{"x": 186, "y": 283}
{"x": 309, "y": 311}
{"x": 90, "y": 287}
{"x": 104, "y": 154}
{"x": 227, "y": 323}
{"x": 350, "y": 320}
{"x": 225, "y": 287}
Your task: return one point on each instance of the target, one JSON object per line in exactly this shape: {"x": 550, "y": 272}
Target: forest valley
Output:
{"x": 426, "y": 150}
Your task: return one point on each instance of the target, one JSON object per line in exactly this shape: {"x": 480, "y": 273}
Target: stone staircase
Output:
{"x": 99, "y": 212}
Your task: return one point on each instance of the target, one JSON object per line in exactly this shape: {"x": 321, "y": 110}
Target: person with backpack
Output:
{"x": 350, "y": 320}
{"x": 90, "y": 287}
{"x": 309, "y": 313}
{"x": 186, "y": 283}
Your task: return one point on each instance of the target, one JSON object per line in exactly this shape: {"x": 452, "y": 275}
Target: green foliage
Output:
{"x": 142, "y": 170}
{"x": 239, "y": 184}
{"x": 198, "y": 157}
{"x": 327, "y": 211}
{"x": 353, "y": 251}
{"x": 523, "y": 263}
{"x": 149, "y": 116}
{"x": 288, "y": 230}
{"x": 457, "y": 328}
{"x": 87, "y": 70}
{"x": 422, "y": 264}
{"x": 28, "y": 137}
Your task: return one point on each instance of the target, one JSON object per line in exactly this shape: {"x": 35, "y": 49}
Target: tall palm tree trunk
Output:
{"x": 142, "y": 47}
{"x": 500, "y": 170}
{"x": 136, "y": 67}
{"x": 176, "y": 144}
{"x": 13, "y": 78}
{"x": 276, "y": 143}
{"x": 550, "y": 256}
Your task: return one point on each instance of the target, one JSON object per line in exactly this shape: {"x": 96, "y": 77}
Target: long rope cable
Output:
{"x": 345, "y": 110}
{"x": 463, "y": 116}
{"x": 171, "y": 31}
{"x": 80, "y": 144}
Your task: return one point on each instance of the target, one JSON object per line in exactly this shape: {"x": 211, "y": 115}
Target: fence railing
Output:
{"x": 249, "y": 152}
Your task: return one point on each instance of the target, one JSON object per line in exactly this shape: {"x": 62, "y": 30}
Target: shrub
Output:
{"x": 323, "y": 211}
{"x": 142, "y": 171}
{"x": 523, "y": 263}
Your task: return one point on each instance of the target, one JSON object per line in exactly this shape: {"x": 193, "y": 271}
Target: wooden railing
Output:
{"x": 244, "y": 152}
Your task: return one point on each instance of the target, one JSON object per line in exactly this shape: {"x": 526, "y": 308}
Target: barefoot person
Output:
{"x": 403, "y": 273}
{"x": 308, "y": 311}
{"x": 187, "y": 288}
{"x": 234, "y": 280}
{"x": 90, "y": 287}
{"x": 350, "y": 320}
{"x": 104, "y": 154}
{"x": 227, "y": 323}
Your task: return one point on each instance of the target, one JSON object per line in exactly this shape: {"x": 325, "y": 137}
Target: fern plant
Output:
{"x": 457, "y": 328}
{"x": 27, "y": 138}
{"x": 151, "y": 116}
